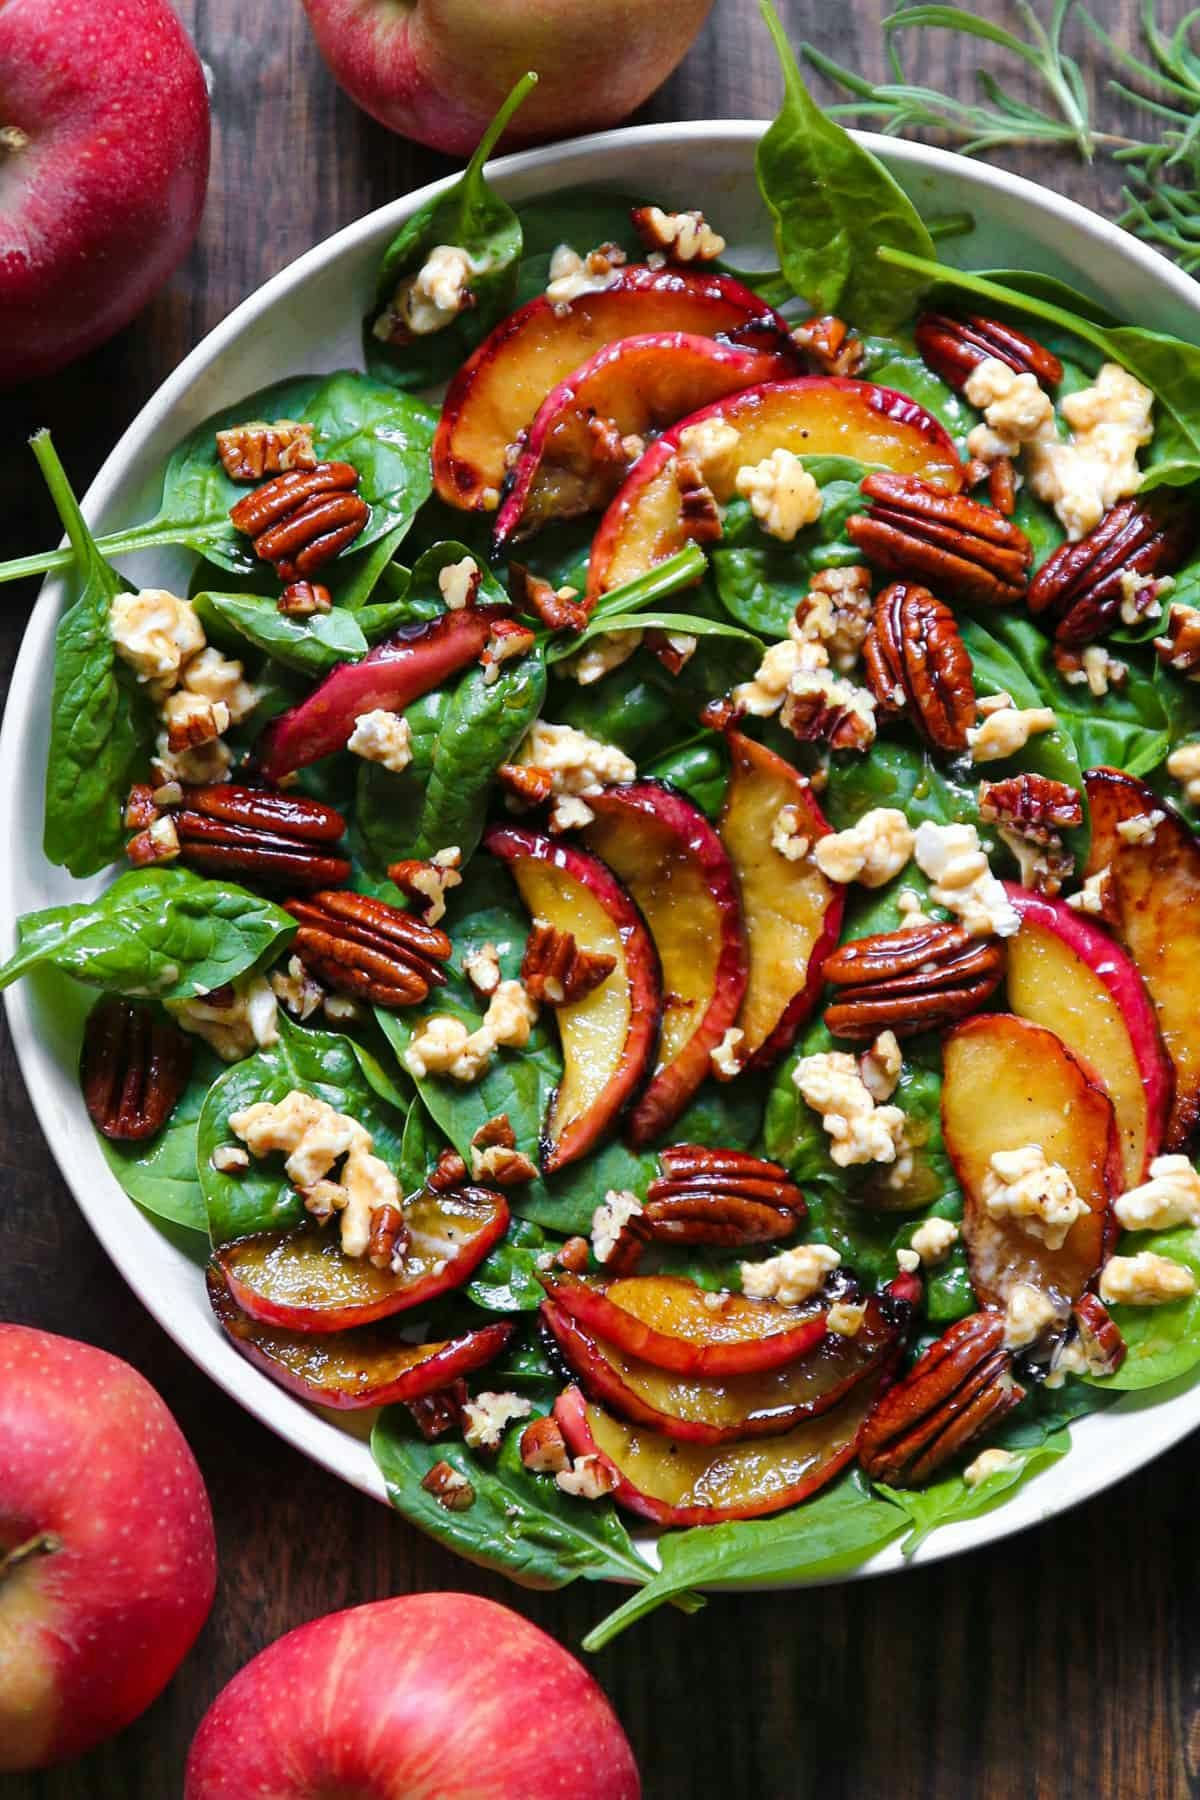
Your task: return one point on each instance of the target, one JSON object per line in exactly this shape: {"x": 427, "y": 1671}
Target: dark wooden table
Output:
{"x": 1066, "y": 1662}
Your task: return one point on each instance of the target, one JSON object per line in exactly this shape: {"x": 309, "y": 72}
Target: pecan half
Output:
{"x": 953, "y": 347}
{"x": 556, "y": 972}
{"x": 917, "y": 663}
{"x": 959, "y": 1389}
{"x": 1082, "y": 586}
{"x": 910, "y": 980}
{"x": 134, "y": 1067}
{"x": 697, "y": 504}
{"x": 919, "y": 533}
{"x": 1035, "y": 805}
{"x": 1179, "y": 648}
{"x": 559, "y": 609}
{"x": 709, "y": 1195}
{"x": 362, "y": 946}
{"x": 828, "y": 345}
{"x": 250, "y": 451}
{"x": 263, "y": 837}
{"x": 301, "y": 520}
{"x": 304, "y": 598}
{"x": 450, "y": 1171}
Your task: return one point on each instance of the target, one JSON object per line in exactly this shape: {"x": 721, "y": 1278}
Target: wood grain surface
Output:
{"x": 1062, "y": 1663}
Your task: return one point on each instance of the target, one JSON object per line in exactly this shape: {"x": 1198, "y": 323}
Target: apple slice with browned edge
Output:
{"x": 1009, "y": 1083}
{"x": 348, "y": 1370}
{"x": 792, "y": 913}
{"x": 573, "y": 460}
{"x": 1066, "y": 974}
{"x": 719, "y": 1409}
{"x": 672, "y": 1323}
{"x": 495, "y": 395}
{"x": 673, "y": 863}
{"x": 301, "y": 1280}
{"x": 609, "y": 1038}
{"x": 1155, "y": 897}
{"x": 814, "y": 415}
{"x": 701, "y": 1484}
{"x": 417, "y": 659}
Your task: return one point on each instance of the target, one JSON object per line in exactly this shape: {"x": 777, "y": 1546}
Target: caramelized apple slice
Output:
{"x": 610, "y": 1037}
{"x": 301, "y": 1281}
{"x": 573, "y": 461}
{"x": 348, "y": 1370}
{"x": 498, "y": 390}
{"x": 669, "y": 1322}
{"x": 718, "y": 1409}
{"x": 673, "y": 863}
{"x": 699, "y": 1484}
{"x": 1007, "y": 1084}
{"x": 1067, "y": 975}
{"x": 416, "y": 660}
{"x": 1155, "y": 884}
{"x": 815, "y": 415}
{"x": 792, "y": 913}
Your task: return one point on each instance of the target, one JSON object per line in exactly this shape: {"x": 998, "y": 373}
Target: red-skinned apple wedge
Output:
{"x": 574, "y": 461}
{"x": 814, "y": 415}
{"x": 300, "y": 1280}
{"x": 1154, "y": 882}
{"x": 427, "y": 1697}
{"x": 610, "y": 1037}
{"x": 665, "y": 852}
{"x": 792, "y": 913}
{"x": 496, "y": 394}
{"x": 107, "y": 1556}
{"x": 1065, "y": 973}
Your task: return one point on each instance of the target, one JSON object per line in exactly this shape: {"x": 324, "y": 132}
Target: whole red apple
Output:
{"x": 429, "y": 1697}
{"x": 437, "y": 70}
{"x": 103, "y": 165}
{"x": 107, "y": 1557}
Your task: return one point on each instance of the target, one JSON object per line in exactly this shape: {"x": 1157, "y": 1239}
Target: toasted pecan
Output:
{"x": 919, "y": 533}
{"x": 361, "y": 946}
{"x": 959, "y": 1389}
{"x": 1081, "y": 587}
{"x": 917, "y": 663}
{"x": 301, "y": 520}
{"x": 134, "y": 1067}
{"x": 954, "y": 346}
{"x": 910, "y": 980}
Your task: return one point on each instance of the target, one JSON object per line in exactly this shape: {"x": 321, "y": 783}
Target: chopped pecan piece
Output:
{"x": 388, "y": 1241}
{"x": 910, "y": 980}
{"x": 301, "y": 520}
{"x": 448, "y": 1487}
{"x": 436, "y": 1414}
{"x": 919, "y": 533}
{"x": 495, "y": 1157}
{"x": 961, "y": 1388}
{"x": 1002, "y": 486}
{"x": 259, "y": 835}
{"x": 556, "y": 972}
{"x": 825, "y": 709}
{"x": 141, "y": 808}
{"x": 363, "y": 947}
{"x": 559, "y": 609}
{"x": 525, "y": 784}
{"x": 1097, "y": 1339}
{"x": 304, "y": 598}
{"x": 1035, "y": 805}
{"x": 1179, "y": 648}
{"x": 574, "y": 1255}
{"x": 428, "y": 882}
{"x": 134, "y": 1067}
{"x": 697, "y": 503}
{"x": 250, "y": 451}
{"x": 828, "y": 345}
{"x": 450, "y": 1171}
{"x": 916, "y": 662}
{"x": 954, "y": 346}
{"x": 507, "y": 638}
{"x": 1082, "y": 586}
{"x": 543, "y": 1446}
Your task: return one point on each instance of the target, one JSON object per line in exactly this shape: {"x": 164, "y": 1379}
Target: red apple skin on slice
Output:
{"x": 814, "y": 415}
{"x": 1066, "y": 974}
{"x": 702, "y": 1484}
{"x": 1156, "y": 893}
{"x": 497, "y": 392}
{"x": 635, "y": 387}
{"x": 723, "y": 1409}
{"x": 792, "y": 913}
{"x": 668, "y": 856}
{"x": 1009, "y": 1083}
{"x": 610, "y": 1037}
{"x": 349, "y": 1370}
{"x": 301, "y": 1281}
{"x": 413, "y": 662}
{"x": 666, "y": 1320}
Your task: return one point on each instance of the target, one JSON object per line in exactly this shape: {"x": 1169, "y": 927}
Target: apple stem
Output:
{"x": 13, "y": 138}
{"x": 42, "y": 1543}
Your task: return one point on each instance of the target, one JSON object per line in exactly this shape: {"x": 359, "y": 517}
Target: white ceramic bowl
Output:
{"x": 307, "y": 318}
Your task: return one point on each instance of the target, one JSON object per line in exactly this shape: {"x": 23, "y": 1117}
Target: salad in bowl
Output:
{"x": 655, "y": 946}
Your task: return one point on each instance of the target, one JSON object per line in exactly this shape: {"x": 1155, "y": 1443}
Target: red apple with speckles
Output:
{"x": 429, "y": 1697}
{"x": 104, "y": 133}
{"x": 107, "y": 1556}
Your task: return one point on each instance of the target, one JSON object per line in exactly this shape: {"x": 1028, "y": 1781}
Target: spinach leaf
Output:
{"x": 637, "y": 714}
{"x": 414, "y": 595}
{"x": 506, "y": 1280}
{"x": 311, "y": 645}
{"x": 761, "y": 581}
{"x": 836, "y": 1531}
{"x": 580, "y": 217}
{"x": 895, "y": 363}
{"x": 101, "y": 726}
{"x": 833, "y": 204}
{"x": 387, "y": 809}
{"x": 519, "y": 1523}
{"x": 1161, "y": 1342}
{"x": 899, "y": 774}
{"x": 472, "y": 218}
{"x": 699, "y": 769}
{"x": 162, "y": 1175}
{"x": 333, "y": 1068}
{"x": 160, "y": 931}
{"x": 617, "y": 606}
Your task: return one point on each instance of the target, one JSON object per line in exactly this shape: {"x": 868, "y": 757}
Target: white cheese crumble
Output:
{"x": 792, "y": 1276}
{"x": 576, "y": 764}
{"x": 1037, "y": 1195}
{"x": 1145, "y": 1280}
{"x": 572, "y": 275}
{"x": 787, "y": 836}
{"x": 1092, "y": 896}
{"x": 487, "y": 1417}
{"x": 235, "y": 1026}
{"x": 1183, "y": 766}
{"x": 1141, "y": 828}
{"x": 859, "y": 1131}
{"x": 601, "y": 656}
{"x": 382, "y": 737}
{"x": 610, "y": 1219}
{"x": 845, "y": 1318}
{"x": 783, "y": 496}
{"x": 1007, "y": 729}
{"x": 444, "y": 1046}
{"x": 934, "y": 1239}
{"x": 155, "y": 632}
{"x": 1027, "y": 1315}
{"x": 1170, "y": 1197}
{"x": 870, "y": 852}
{"x": 482, "y": 969}
{"x": 727, "y": 1057}
{"x": 988, "y": 1462}
{"x": 961, "y": 879}
{"x": 458, "y": 583}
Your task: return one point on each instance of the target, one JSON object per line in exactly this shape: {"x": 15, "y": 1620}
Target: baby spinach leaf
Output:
{"x": 1161, "y": 1342}
{"x": 580, "y": 217}
{"x": 636, "y": 714}
{"x": 163, "y": 932}
{"x": 699, "y": 769}
{"x": 894, "y": 363}
{"x": 161, "y": 1175}
{"x": 333, "y": 1068}
{"x": 761, "y": 581}
{"x": 615, "y": 609}
{"x": 311, "y": 645}
{"x": 388, "y": 805}
{"x": 833, "y": 204}
{"x": 506, "y": 1280}
{"x": 101, "y": 727}
{"x": 950, "y": 1501}
{"x": 473, "y": 219}
{"x": 415, "y": 596}
{"x": 899, "y": 774}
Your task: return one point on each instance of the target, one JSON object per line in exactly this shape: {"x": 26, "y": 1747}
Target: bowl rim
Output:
{"x": 287, "y": 1416}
